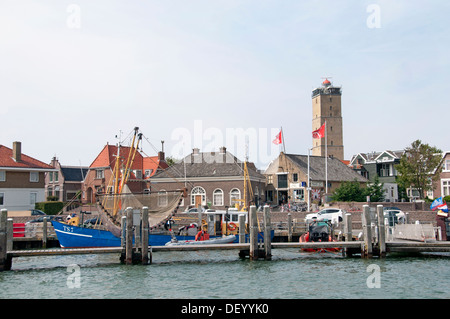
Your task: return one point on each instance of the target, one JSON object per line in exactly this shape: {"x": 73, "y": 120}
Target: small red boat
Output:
{"x": 318, "y": 231}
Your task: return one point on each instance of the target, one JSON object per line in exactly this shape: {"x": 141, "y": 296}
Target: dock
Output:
{"x": 373, "y": 242}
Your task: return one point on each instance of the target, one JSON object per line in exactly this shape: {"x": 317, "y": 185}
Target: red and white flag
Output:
{"x": 320, "y": 132}
{"x": 278, "y": 139}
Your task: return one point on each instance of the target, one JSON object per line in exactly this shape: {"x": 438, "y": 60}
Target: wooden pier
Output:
{"x": 374, "y": 244}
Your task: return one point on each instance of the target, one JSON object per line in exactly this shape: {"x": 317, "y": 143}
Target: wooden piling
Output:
{"x": 289, "y": 225}
{"x": 241, "y": 228}
{"x": 144, "y": 236}
{"x": 44, "y": 232}
{"x": 129, "y": 237}
{"x": 253, "y": 221}
{"x": 267, "y": 234}
{"x": 5, "y": 261}
{"x": 348, "y": 233}
{"x": 9, "y": 234}
{"x": 366, "y": 249}
{"x": 381, "y": 232}
{"x": 123, "y": 224}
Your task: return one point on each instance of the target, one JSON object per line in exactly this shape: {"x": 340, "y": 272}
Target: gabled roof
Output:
{"x": 372, "y": 157}
{"x": 208, "y": 164}
{"x": 107, "y": 158}
{"x": 336, "y": 170}
{"x": 26, "y": 162}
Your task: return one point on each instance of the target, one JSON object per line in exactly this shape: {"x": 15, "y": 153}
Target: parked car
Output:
{"x": 37, "y": 212}
{"x": 41, "y": 219}
{"x": 334, "y": 215}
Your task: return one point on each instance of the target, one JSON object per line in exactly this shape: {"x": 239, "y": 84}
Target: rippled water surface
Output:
{"x": 221, "y": 274}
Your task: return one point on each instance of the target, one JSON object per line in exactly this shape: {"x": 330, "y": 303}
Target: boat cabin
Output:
{"x": 224, "y": 222}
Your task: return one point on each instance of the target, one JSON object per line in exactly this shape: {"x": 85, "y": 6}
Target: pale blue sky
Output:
{"x": 229, "y": 64}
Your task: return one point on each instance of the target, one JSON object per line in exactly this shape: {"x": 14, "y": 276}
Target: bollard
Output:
{"x": 367, "y": 231}
{"x": 129, "y": 237}
{"x": 253, "y": 233}
{"x": 44, "y": 233}
{"x": 381, "y": 231}
{"x": 348, "y": 233}
{"x": 289, "y": 225}
{"x": 9, "y": 234}
{"x": 144, "y": 236}
{"x": 241, "y": 228}
{"x": 267, "y": 234}
{"x": 5, "y": 261}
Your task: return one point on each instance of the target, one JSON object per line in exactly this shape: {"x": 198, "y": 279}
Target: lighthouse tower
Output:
{"x": 326, "y": 106}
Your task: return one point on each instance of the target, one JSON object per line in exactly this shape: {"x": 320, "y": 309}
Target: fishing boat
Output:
{"x": 112, "y": 204}
{"x": 319, "y": 231}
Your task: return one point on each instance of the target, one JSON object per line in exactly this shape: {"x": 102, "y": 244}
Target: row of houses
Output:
{"x": 214, "y": 179}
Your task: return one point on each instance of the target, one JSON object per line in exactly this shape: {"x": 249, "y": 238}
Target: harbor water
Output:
{"x": 222, "y": 274}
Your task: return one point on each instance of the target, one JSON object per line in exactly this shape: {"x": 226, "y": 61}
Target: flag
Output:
{"x": 437, "y": 202}
{"x": 278, "y": 139}
{"x": 320, "y": 132}
{"x": 440, "y": 204}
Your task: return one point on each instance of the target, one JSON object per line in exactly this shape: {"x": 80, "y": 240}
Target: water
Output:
{"x": 221, "y": 274}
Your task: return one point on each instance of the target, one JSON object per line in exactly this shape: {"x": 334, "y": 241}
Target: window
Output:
{"x": 148, "y": 173}
{"x": 235, "y": 194}
{"x": 198, "y": 196}
{"x": 295, "y": 177}
{"x": 34, "y": 177}
{"x": 446, "y": 165}
{"x": 299, "y": 194}
{"x": 2, "y": 176}
{"x": 56, "y": 177}
{"x": 162, "y": 198}
{"x": 269, "y": 179}
{"x": 282, "y": 181}
{"x": 33, "y": 198}
{"x": 2, "y": 198}
{"x": 269, "y": 196}
{"x": 384, "y": 170}
{"x": 218, "y": 197}
{"x": 445, "y": 187}
{"x": 49, "y": 191}
{"x": 138, "y": 173}
{"x": 57, "y": 192}
{"x": 99, "y": 173}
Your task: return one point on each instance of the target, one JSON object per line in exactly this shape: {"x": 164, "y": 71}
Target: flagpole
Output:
{"x": 282, "y": 137}
{"x": 326, "y": 161}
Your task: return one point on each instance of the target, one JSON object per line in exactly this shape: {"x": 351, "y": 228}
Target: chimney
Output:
{"x": 161, "y": 156}
{"x": 17, "y": 151}
{"x": 223, "y": 151}
{"x": 195, "y": 151}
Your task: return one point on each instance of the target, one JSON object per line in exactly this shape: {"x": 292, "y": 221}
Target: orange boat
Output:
{"x": 319, "y": 231}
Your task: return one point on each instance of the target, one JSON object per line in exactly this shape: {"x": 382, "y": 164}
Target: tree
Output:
{"x": 375, "y": 190}
{"x": 419, "y": 167}
{"x": 350, "y": 192}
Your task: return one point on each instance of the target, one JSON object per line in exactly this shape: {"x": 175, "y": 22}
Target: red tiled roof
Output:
{"x": 107, "y": 158}
{"x": 6, "y": 160}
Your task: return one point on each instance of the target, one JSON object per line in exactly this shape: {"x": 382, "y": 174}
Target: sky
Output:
{"x": 210, "y": 73}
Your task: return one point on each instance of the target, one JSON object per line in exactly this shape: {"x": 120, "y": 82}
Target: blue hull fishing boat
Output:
{"x": 71, "y": 236}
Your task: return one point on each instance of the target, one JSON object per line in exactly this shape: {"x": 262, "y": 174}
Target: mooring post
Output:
{"x": 123, "y": 224}
{"x": 9, "y": 234}
{"x": 348, "y": 233}
{"x": 381, "y": 231}
{"x": 267, "y": 233}
{"x": 129, "y": 237}
{"x": 44, "y": 232}
{"x": 241, "y": 229}
{"x": 253, "y": 233}
{"x": 289, "y": 225}
{"x": 367, "y": 231}
{"x": 144, "y": 236}
{"x": 5, "y": 262}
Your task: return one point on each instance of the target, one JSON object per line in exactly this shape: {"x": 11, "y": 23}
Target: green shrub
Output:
{"x": 447, "y": 199}
{"x": 50, "y": 208}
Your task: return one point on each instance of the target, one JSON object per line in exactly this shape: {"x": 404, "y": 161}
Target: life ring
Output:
{"x": 232, "y": 226}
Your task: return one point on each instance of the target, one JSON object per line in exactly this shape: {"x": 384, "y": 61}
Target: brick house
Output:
{"x": 442, "y": 186}
{"x": 100, "y": 172}
{"x": 22, "y": 179}
{"x": 214, "y": 179}
{"x": 287, "y": 178}
{"x": 65, "y": 182}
